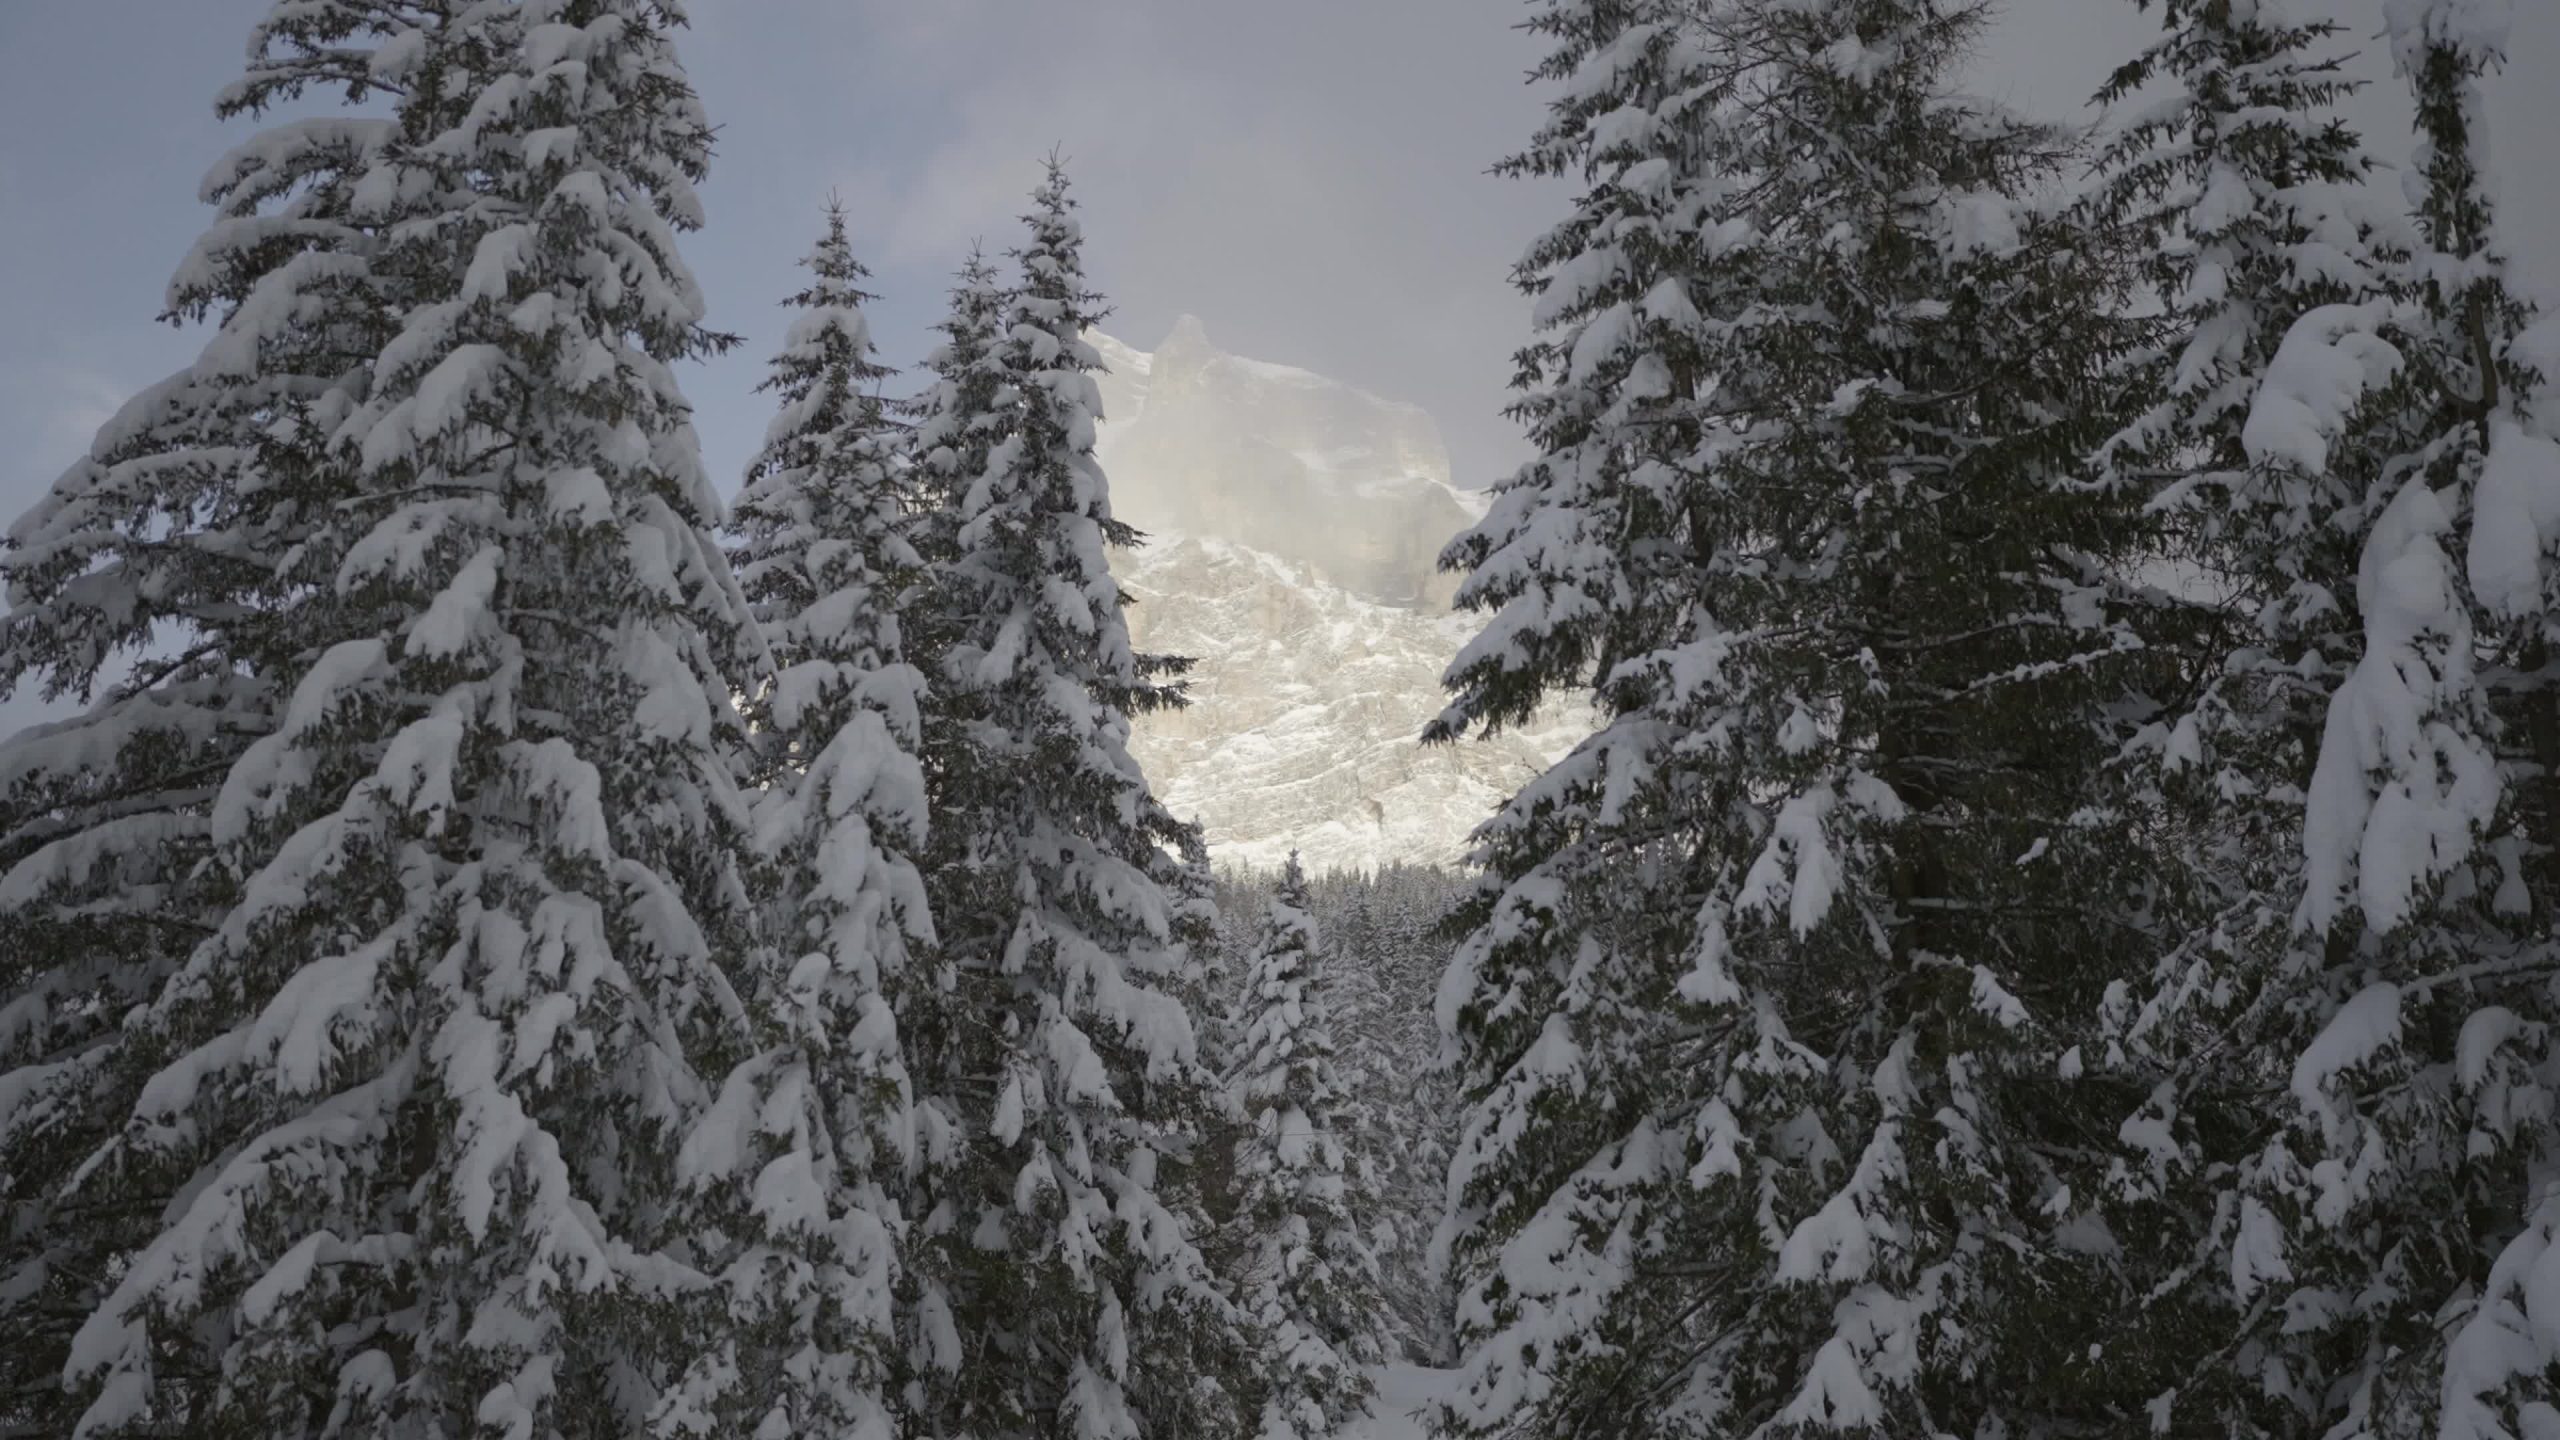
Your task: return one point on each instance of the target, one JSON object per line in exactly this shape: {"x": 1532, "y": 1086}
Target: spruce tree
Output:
{"x": 1409, "y": 1103}
{"x": 2245, "y": 189}
{"x": 2391, "y": 1211}
{"x": 945, "y": 447}
{"x": 2330, "y": 1183}
{"x": 800, "y": 1170}
{"x": 1311, "y": 1283}
{"x": 168, "y": 583}
{"x": 1193, "y": 885}
{"x": 431, "y": 1068}
{"x": 954, "y": 423}
{"x": 1768, "y": 1008}
{"x": 1061, "y": 1295}
{"x": 2475, "y": 1022}
{"x": 1383, "y": 957}
{"x": 1200, "y": 1126}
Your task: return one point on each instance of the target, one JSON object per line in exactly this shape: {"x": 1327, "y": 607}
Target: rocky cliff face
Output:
{"x": 1294, "y": 523}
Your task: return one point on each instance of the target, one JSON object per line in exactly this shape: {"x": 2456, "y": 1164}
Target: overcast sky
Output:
{"x": 1307, "y": 177}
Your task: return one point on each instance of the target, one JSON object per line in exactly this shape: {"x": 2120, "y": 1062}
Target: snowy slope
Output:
{"x": 1295, "y": 521}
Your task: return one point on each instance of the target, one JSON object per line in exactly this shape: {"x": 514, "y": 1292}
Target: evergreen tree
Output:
{"x": 1312, "y": 1284}
{"x": 955, "y": 423}
{"x": 2370, "y": 945}
{"x": 2381, "y": 1224}
{"x": 1388, "y": 1031}
{"x": 2475, "y": 1021}
{"x": 2244, "y": 188}
{"x": 822, "y": 545}
{"x": 802, "y": 1165}
{"x": 1770, "y": 981}
{"x": 163, "y": 584}
{"x": 428, "y": 1073}
{"x": 1384, "y": 957}
{"x": 1193, "y": 886}
{"x": 1203, "y": 1129}
{"x": 1061, "y": 1295}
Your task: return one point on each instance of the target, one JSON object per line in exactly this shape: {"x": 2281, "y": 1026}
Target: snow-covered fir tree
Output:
{"x": 1192, "y": 883}
{"x": 1382, "y": 940}
{"x": 800, "y": 1170}
{"x": 2376, "y": 1230}
{"x": 1768, "y": 1017}
{"x": 2473, "y": 1024}
{"x": 1200, "y": 1131}
{"x": 822, "y": 532}
{"x": 1310, "y": 1283}
{"x": 955, "y": 422}
{"x": 162, "y": 583}
{"x": 2340, "y": 401}
{"x": 428, "y": 1070}
{"x": 2246, "y": 190}
{"x": 1383, "y": 958}
{"x": 1061, "y": 1295}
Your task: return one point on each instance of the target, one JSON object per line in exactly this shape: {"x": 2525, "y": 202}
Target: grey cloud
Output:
{"x": 1309, "y": 178}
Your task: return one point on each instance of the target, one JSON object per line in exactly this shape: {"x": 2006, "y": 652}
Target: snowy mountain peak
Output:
{"x": 1189, "y": 340}
{"x": 1204, "y": 443}
{"x": 1296, "y": 525}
